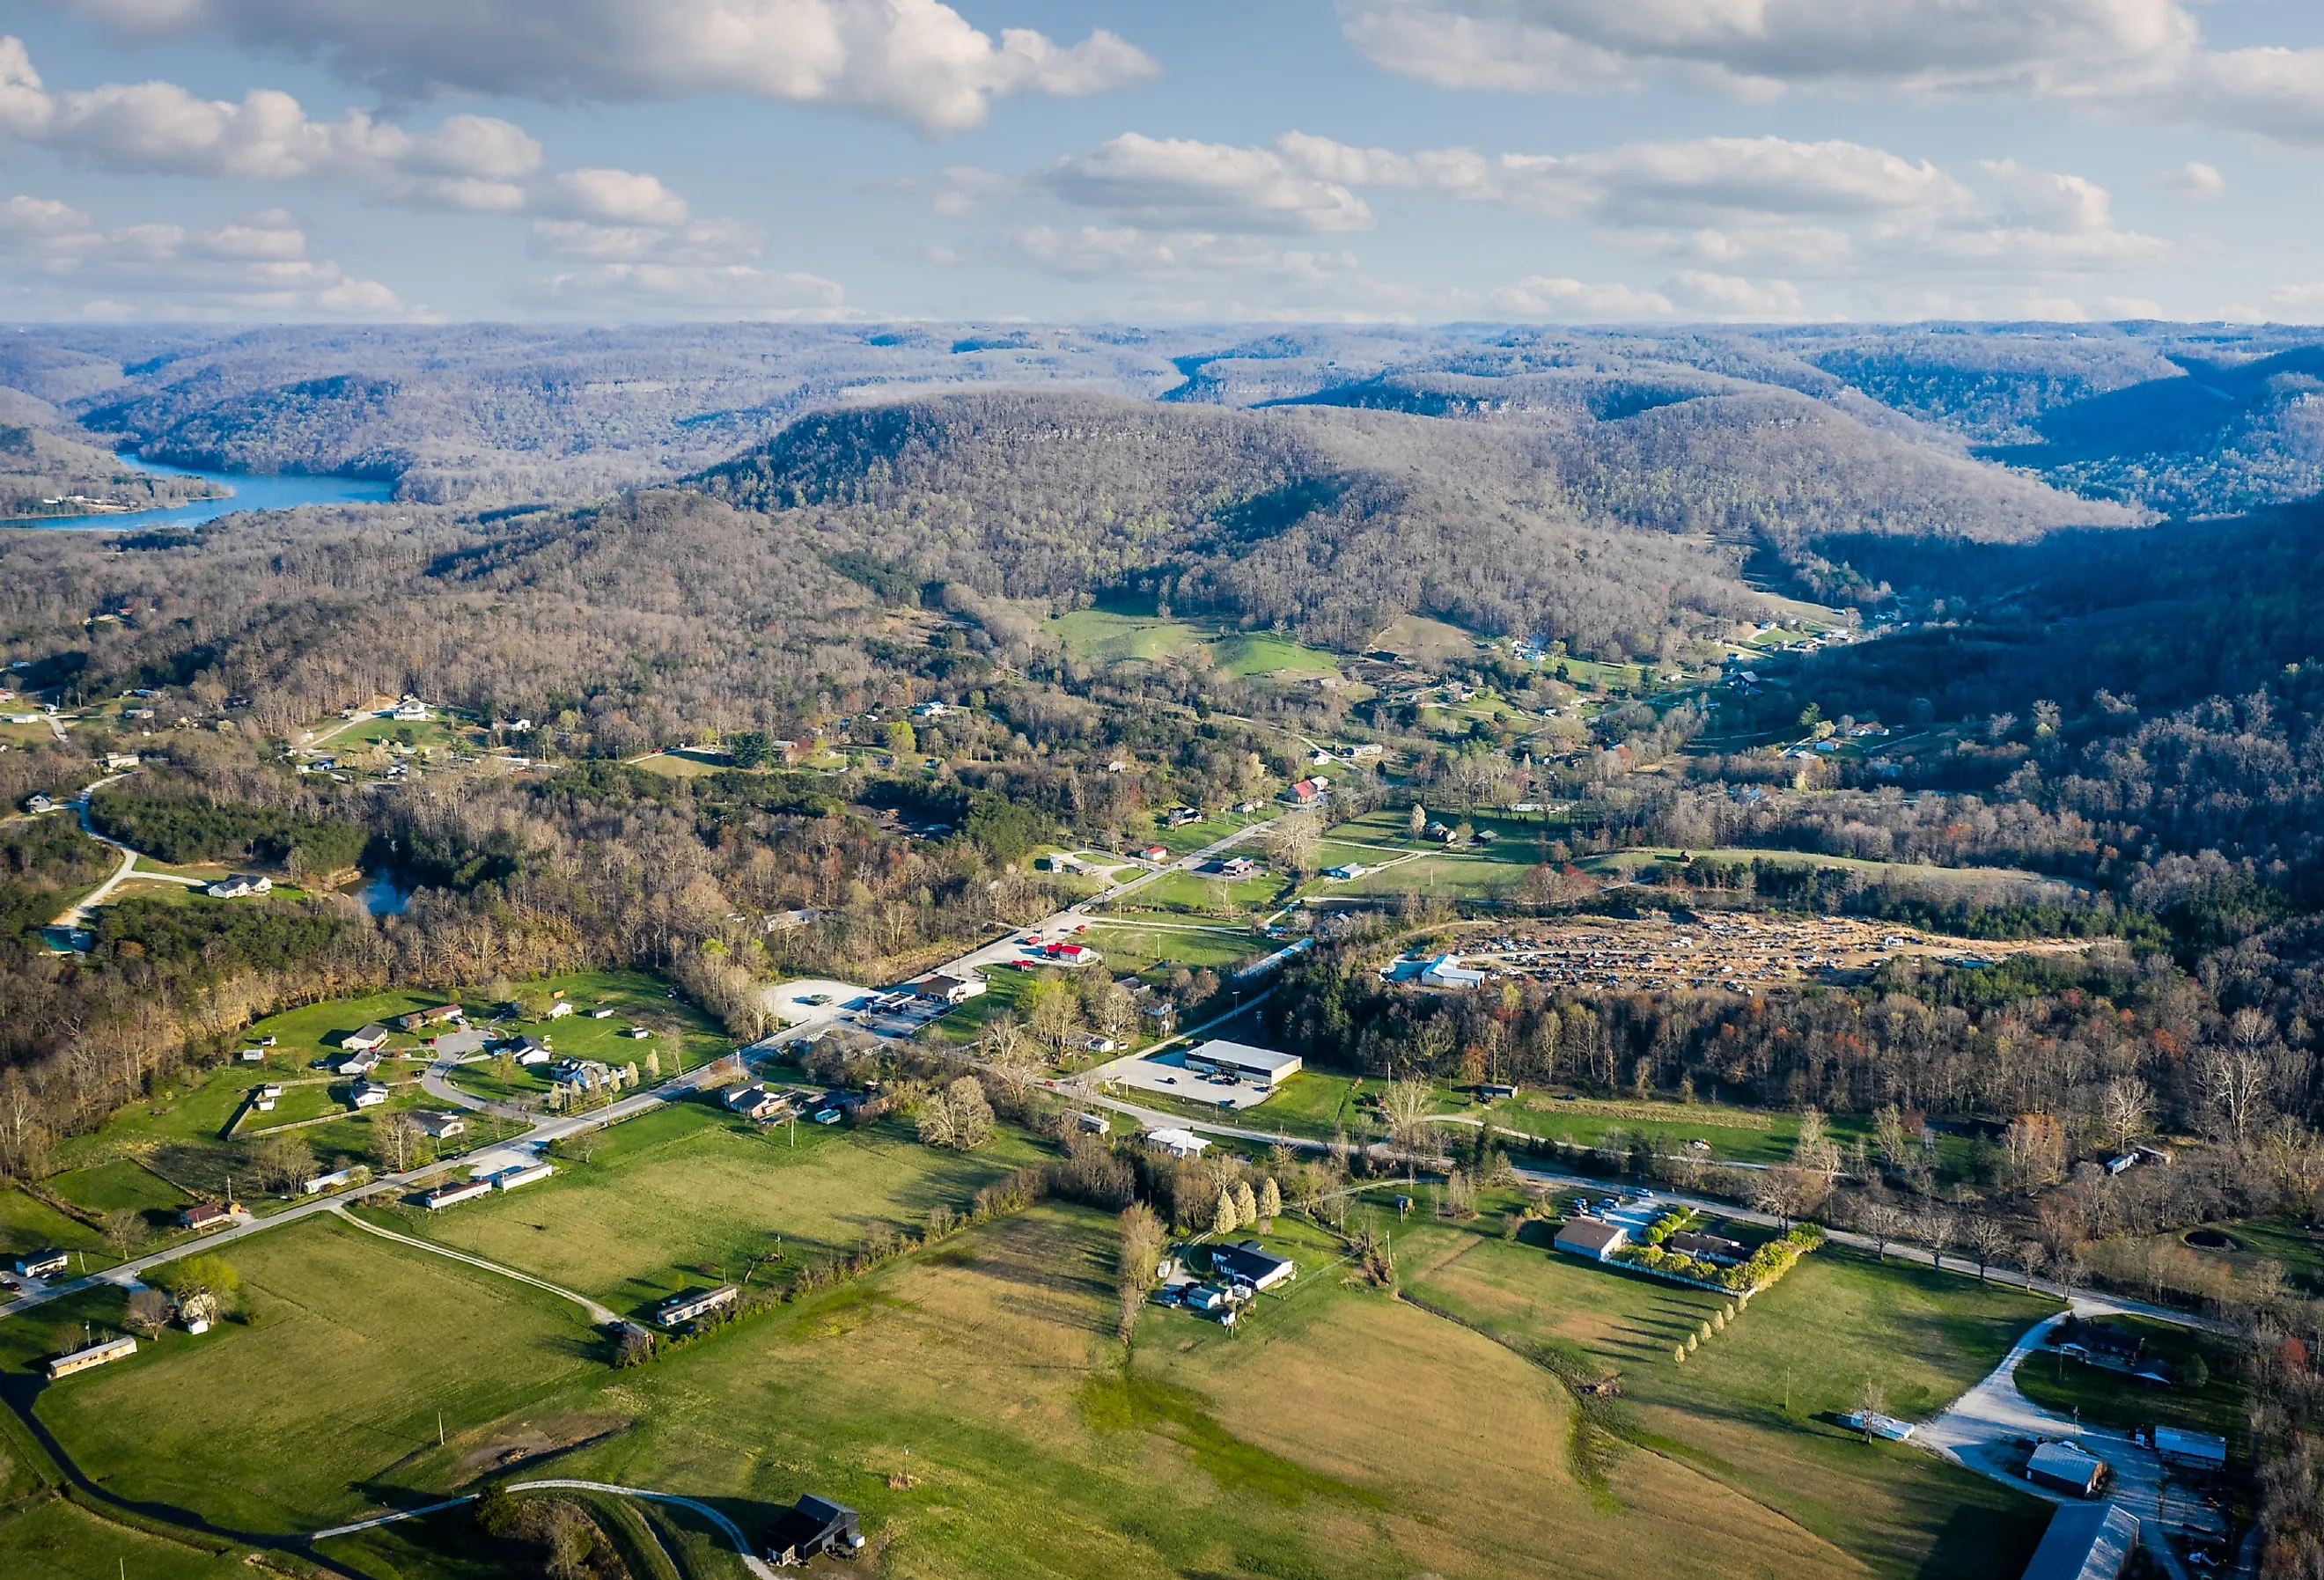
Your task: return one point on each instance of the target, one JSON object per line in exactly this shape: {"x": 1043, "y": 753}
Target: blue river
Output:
{"x": 252, "y": 491}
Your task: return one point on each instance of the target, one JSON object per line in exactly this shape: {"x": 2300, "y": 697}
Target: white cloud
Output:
{"x": 1652, "y": 182}
{"x": 1735, "y": 298}
{"x": 1565, "y": 301}
{"x": 2193, "y": 179}
{"x": 686, "y": 291}
{"x": 2300, "y": 303}
{"x": 1092, "y": 253}
{"x": 919, "y": 60}
{"x": 159, "y": 128}
{"x": 619, "y": 196}
{"x": 2121, "y": 308}
{"x": 720, "y": 241}
{"x": 1178, "y": 182}
{"x": 2145, "y": 57}
{"x": 253, "y": 266}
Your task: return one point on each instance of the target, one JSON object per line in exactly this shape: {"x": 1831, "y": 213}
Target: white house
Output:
{"x": 1178, "y": 1143}
{"x": 521, "y": 1174}
{"x": 559, "y": 1010}
{"x": 361, "y": 1063}
{"x": 370, "y": 1039}
{"x": 367, "y": 1094}
{"x": 240, "y": 886}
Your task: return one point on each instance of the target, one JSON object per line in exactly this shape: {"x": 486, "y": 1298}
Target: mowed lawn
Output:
{"x": 303, "y": 1421}
{"x": 688, "y": 1188}
{"x": 1754, "y": 1407}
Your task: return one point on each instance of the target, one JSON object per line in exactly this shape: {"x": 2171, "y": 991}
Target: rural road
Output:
{"x": 732, "y": 1531}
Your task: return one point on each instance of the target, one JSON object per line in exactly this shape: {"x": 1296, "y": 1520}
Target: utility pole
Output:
{"x": 439, "y": 1429}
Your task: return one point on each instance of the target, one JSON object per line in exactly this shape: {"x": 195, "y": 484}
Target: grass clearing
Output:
{"x": 1754, "y": 1407}
{"x": 688, "y": 1188}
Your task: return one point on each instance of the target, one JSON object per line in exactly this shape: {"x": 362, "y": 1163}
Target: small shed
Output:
{"x": 2065, "y": 1468}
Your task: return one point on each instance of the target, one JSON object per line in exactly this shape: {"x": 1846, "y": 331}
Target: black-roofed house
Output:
{"x": 811, "y": 1526}
{"x": 1249, "y": 1264}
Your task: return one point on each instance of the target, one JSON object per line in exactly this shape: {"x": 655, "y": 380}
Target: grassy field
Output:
{"x": 1141, "y": 949}
{"x": 288, "y": 1425}
{"x": 29, "y": 1224}
{"x": 689, "y": 1192}
{"x": 1754, "y": 1407}
{"x": 1105, "y": 636}
{"x": 55, "y": 1539}
{"x": 1417, "y": 638}
{"x": 1193, "y": 894}
{"x": 2110, "y": 1398}
{"x": 962, "y": 1397}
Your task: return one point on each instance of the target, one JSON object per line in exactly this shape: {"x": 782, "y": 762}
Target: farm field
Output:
{"x": 687, "y": 1193}
{"x": 1754, "y": 1407}
{"x": 961, "y": 1397}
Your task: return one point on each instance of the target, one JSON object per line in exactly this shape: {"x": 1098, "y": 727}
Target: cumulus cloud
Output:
{"x": 253, "y": 266}
{"x": 2300, "y": 303}
{"x": 1567, "y": 301}
{"x": 919, "y": 61}
{"x": 1178, "y": 182}
{"x": 2193, "y": 179}
{"x": 2142, "y": 55}
{"x": 159, "y": 128}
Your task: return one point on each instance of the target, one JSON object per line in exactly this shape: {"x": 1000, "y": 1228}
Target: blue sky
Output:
{"x": 1420, "y": 159}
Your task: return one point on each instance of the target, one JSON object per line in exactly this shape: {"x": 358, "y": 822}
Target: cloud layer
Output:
{"x": 2142, "y": 55}
{"x": 919, "y": 61}
{"x": 254, "y": 266}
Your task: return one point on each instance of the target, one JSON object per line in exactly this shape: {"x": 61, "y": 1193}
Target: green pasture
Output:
{"x": 1756, "y": 1405}
{"x": 689, "y": 1192}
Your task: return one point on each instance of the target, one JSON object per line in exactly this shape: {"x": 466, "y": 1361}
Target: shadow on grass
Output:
{"x": 22, "y": 1392}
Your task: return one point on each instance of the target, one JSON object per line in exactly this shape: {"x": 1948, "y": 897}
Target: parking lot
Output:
{"x": 1168, "y": 1076}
